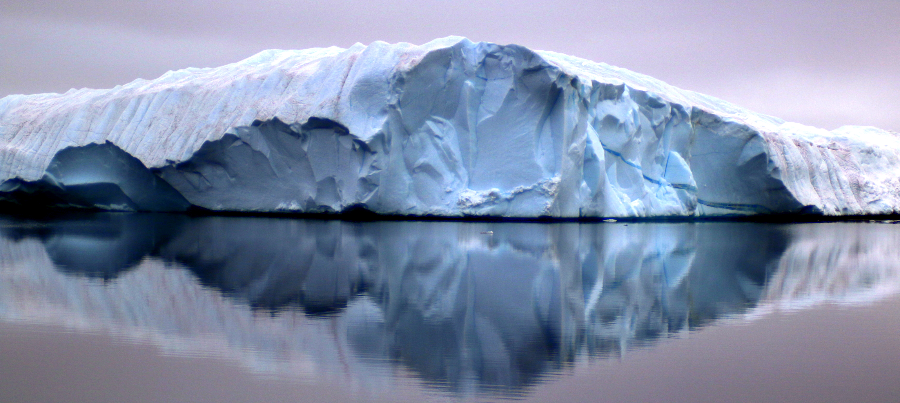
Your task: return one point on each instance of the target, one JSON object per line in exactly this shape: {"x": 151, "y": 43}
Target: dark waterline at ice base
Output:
{"x": 157, "y": 307}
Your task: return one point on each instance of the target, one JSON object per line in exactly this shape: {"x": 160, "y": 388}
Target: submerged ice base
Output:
{"x": 449, "y": 128}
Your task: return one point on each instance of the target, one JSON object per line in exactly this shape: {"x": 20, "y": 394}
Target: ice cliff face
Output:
{"x": 449, "y": 128}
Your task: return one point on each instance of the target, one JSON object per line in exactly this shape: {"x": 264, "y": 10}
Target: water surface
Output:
{"x": 128, "y": 307}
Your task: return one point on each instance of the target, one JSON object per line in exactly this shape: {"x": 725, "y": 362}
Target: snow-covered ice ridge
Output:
{"x": 449, "y": 128}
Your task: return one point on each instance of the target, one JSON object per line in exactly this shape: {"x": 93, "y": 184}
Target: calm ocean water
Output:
{"x": 166, "y": 308}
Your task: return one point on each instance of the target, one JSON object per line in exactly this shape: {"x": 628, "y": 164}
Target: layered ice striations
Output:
{"x": 449, "y": 128}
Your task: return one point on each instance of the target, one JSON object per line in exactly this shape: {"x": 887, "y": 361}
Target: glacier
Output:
{"x": 451, "y": 128}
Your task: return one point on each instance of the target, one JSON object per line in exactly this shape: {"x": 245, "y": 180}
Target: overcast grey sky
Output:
{"x": 823, "y": 63}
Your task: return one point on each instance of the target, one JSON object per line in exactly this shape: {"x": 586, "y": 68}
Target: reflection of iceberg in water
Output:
{"x": 838, "y": 263}
{"x": 463, "y": 308}
{"x": 673, "y": 278}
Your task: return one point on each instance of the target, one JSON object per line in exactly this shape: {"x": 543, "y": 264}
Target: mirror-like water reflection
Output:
{"x": 469, "y": 308}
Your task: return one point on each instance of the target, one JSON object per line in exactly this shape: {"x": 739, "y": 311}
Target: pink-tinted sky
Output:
{"x": 823, "y": 63}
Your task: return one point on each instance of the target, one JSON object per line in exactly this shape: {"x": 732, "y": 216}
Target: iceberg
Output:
{"x": 451, "y": 128}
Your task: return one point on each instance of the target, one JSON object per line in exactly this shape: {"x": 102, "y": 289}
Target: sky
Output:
{"x": 822, "y": 63}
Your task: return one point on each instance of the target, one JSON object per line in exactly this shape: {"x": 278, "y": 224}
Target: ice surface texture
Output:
{"x": 449, "y": 128}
